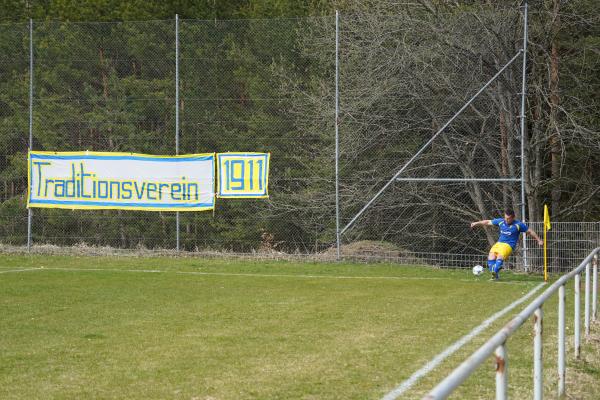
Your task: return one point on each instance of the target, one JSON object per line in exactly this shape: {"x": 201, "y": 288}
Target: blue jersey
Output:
{"x": 509, "y": 234}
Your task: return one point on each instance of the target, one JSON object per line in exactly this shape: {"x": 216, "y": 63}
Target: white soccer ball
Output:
{"x": 477, "y": 270}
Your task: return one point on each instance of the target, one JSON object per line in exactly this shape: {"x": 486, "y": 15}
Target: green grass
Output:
{"x": 187, "y": 328}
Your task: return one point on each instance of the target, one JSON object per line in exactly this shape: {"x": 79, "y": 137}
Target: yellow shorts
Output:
{"x": 502, "y": 249}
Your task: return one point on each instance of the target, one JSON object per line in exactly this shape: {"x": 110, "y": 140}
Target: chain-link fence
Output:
{"x": 269, "y": 86}
{"x": 111, "y": 87}
{"x": 14, "y": 125}
{"x": 404, "y": 76}
{"x": 104, "y": 87}
{"x": 567, "y": 244}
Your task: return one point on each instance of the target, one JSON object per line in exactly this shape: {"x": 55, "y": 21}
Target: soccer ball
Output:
{"x": 477, "y": 270}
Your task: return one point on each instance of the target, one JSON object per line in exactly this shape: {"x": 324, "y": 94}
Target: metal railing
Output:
{"x": 497, "y": 344}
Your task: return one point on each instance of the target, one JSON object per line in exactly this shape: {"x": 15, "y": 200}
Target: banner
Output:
{"x": 243, "y": 175}
{"x": 128, "y": 181}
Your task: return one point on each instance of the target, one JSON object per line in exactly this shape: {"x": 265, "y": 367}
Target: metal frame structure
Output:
{"x": 523, "y": 120}
{"x": 177, "y": 114}
{"x": 395, "y": 178}
{"x": 458, "y": 179}
{"x": 426, "y": 145}
{"x": 337, "y": 133}
{"x": 29, "y": 211}
{"x": 497, "y": 344}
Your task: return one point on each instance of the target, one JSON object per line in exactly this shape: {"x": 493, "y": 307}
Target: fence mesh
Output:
{"x": 241, "y": 82}
{"x": 404, "y": 77}
{"x": 568, "y": 243}
{"x": 269, "y": 86}
{"x": 104, "y": 87}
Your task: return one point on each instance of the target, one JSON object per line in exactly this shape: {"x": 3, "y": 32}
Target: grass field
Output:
{"x": 186, "y": 328}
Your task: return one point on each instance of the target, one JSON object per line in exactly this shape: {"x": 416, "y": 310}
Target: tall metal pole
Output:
{"x": 561, "y": 341}
{"x": 587, "y": 300}
{"x": 577, "y": 317}
{"x": 337, "y": 138}
{"x": 458, "y": 179}
{"x": 523, "y": 91}
{"x": 29, "y": 211}
{"x": 177, "y": 113}
{"x": 538, "y": 378}
{"x": 595, "y": 289}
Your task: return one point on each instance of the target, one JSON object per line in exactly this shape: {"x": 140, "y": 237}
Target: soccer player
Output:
{"x": 510, "y": 230}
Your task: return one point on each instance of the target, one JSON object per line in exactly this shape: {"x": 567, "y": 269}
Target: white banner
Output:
{"x": 94, "y": 180}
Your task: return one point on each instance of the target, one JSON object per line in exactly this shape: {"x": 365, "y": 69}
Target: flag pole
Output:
{"x": 546, "y": 228}
{"x": 545, "y": 256}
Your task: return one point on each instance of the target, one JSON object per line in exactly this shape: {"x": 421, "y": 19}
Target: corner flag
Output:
{"x": 546, "y": 228}
{"x": 546, "y": 218}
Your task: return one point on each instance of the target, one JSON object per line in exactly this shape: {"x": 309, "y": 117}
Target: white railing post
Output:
{"x": 501, "y": 372}
{"x": 538, "y": 383}
{"x": 588, "y": 295}
{"x": 561, "y": 340}
{"x": 595, "y": 289}
{"x": 577, "y": 316}
{"x": 497, "y": 343}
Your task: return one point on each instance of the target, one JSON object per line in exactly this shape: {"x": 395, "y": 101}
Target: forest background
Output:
{"x": 103, "y": 85}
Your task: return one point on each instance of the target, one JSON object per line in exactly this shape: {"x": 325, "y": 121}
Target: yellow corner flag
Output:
{"x": 546, "y": 218}
{"x": 546, "y": 228}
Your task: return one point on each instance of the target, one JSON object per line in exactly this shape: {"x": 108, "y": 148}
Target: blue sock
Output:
{"x": 498, "y": 267}
{"x": 491, "y": 265}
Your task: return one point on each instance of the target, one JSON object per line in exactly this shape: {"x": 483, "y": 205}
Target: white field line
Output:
{"x": 158, "y": 271}
{"x": 430, "y": 365}
{"x": 6, "y": 271}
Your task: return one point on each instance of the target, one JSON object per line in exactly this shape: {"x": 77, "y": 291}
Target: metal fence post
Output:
{"x": 586, "y": 319}
{"x": 595, "y": 289}
{"x": 337, "y": 136}
{"x": 501, "y": 372}
{"x": 561, "y": 340}
{"x": 29, "y": 211}
{"x": 177, "y": 115}
{"x": 523, "y": 93}
{"x": 577, "y": 317}
{"x": 538, "y": 383}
